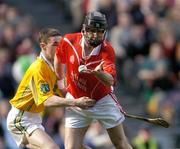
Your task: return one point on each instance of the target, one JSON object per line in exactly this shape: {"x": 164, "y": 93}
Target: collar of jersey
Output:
{"x": 95, "y": 51}
{"x": 47, "y": 62}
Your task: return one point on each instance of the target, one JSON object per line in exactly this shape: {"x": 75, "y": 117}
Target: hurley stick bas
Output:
{"x": 156, "y": 121}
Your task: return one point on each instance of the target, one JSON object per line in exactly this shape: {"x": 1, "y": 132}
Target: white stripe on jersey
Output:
{"x": 111, "y": 65}
{"x": 91, "y": 63}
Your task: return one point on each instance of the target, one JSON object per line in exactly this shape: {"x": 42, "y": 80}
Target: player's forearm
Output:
{"x": 105, "y": 78}
{"x": 55, "y": 101}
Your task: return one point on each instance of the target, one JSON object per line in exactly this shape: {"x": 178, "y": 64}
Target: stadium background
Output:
{"x": 146, "y": 37}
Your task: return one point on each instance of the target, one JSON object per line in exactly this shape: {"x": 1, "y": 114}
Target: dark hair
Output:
{"x": 45, "y": 33}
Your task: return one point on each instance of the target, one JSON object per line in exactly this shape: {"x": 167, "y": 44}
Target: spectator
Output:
{"x": 154, "y": 70}
{"x": 2, "y": 139}
{"x": 7, "y": 83}
{"x": 4, "y": 109}
{"x": 145, "y": 140}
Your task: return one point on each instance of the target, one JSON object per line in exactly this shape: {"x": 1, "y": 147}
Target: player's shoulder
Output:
{"x": 37, "y": 65}
{"x": 107, "y": 49}
{"x": 73, "y": 36}
{"x": 38, "y": 61}
{"x": 107, "y": 46}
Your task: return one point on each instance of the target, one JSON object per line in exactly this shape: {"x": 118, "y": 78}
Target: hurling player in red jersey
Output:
{"x": 91, "y": 72}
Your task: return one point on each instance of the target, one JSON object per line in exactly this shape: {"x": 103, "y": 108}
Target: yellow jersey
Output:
{"x": 38, "y": 83}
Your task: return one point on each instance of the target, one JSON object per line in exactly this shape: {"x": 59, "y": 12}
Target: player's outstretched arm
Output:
{"x": 82, "y": 102}
{"x": 105, "y": 78}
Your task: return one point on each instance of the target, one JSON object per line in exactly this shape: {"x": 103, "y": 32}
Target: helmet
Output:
{"x": 95, "y": 21}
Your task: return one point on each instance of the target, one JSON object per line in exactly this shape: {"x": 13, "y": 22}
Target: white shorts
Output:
{"x": 20, "y": 123}
{"x": 107, "y": 111}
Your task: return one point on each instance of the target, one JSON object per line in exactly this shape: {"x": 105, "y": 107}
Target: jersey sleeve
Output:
{"x": 41, "y": 86}
{"x": 60, "y": 51}
{"x": 108, "y": 57}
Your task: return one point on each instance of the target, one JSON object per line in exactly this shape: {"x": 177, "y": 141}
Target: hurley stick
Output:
{"x": 156, "y": 121}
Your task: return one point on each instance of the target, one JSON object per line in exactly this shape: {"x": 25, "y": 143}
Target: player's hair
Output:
{"x": 45, "y": 33}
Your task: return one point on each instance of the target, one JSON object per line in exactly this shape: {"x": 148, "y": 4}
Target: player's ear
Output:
{"x": 42, "y": 45}
{"x": 83, "y": 29}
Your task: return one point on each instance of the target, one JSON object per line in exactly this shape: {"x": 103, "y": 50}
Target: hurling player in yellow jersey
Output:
{"x": 37, "y": 90}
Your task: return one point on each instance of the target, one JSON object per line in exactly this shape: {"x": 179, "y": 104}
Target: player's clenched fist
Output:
{"x": 85, "y": 102}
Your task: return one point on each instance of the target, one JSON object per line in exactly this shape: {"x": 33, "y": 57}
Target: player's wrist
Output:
{"x": 61, "y": 84}
{"x": 97, "y": 72}
{"x": 71, "y": 102}
{"x": 75, "y": 103}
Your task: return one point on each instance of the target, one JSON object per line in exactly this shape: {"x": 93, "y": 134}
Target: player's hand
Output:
{"x": 85, "y": 102}
{"x": 99, "y": 67}
{"x": 84, "y": 69}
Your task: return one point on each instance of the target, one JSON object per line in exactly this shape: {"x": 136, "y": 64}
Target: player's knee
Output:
{"x": 74, "y": 147}
{"x": 70, "y": 147}
{"x": 51, "y": 146}
{"x": 85, "y": 147}
{"x": 122, "y": 145}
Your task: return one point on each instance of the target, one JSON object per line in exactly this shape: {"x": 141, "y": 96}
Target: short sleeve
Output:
{"x": 41, "y": 86}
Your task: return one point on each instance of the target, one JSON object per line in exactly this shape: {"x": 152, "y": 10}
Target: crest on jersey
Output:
{"x": 72, "y": 59}
{"x": 44, "y": 88}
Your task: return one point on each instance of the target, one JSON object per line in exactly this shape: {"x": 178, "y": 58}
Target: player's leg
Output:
{"x": 39, "y": 139}
{"x": 76, "y": 124}
{"x": 31, "y": 146}
{"x": 108, "y": 113}
{"x": 26, "y": 129}
{"x": 74, "y": 138}
{"x": 118, "y": 137}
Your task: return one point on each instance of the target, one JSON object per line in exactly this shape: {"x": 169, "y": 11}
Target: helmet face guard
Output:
{"x": 95, "y": 22}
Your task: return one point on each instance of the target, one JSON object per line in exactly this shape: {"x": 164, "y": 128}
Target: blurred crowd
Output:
{"x": 146, "y": 37}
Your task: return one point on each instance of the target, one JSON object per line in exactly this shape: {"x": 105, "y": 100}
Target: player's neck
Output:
{"x": 50, "y": 62}
{"x": 87, "y": 50}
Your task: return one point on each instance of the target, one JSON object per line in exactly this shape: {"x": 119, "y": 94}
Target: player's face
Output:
{"x": 94, "y": 36}
{"x": 51, "y": 47}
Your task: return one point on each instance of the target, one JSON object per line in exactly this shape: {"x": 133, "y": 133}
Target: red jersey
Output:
{"x": 71, "y": 52}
